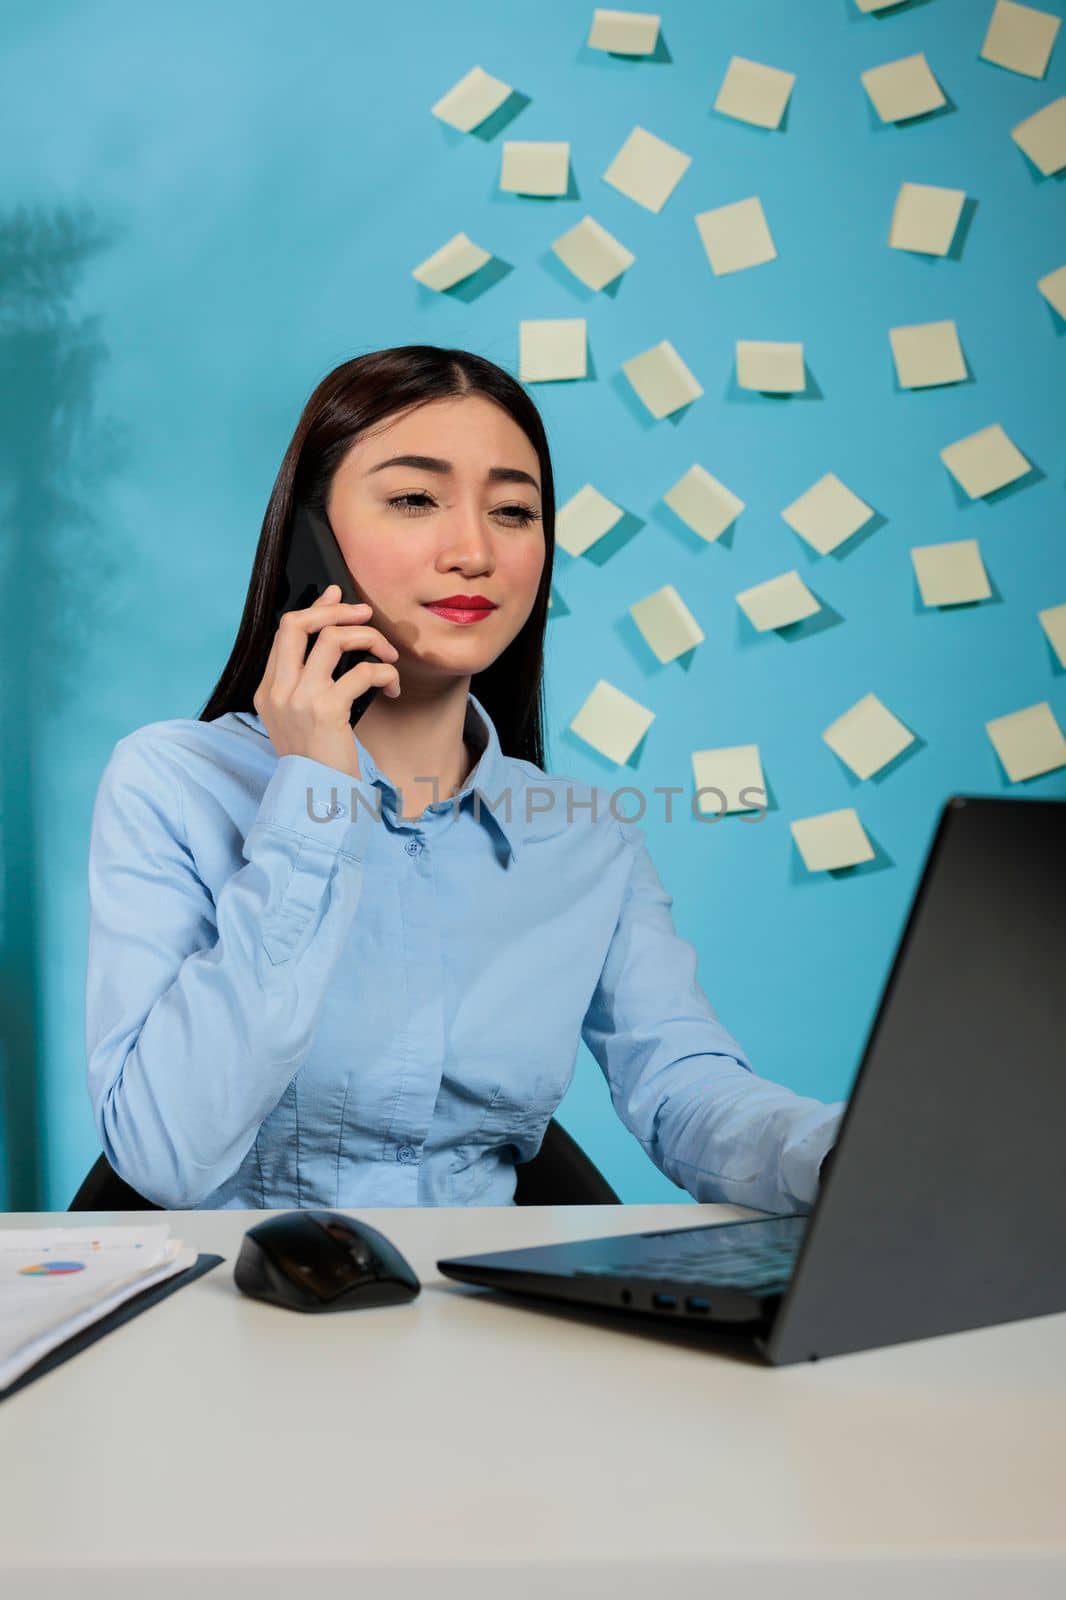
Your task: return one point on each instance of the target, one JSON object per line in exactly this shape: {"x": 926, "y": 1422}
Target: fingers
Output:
{"x": 365, "y": 673}
{"x": 339, "y": 628}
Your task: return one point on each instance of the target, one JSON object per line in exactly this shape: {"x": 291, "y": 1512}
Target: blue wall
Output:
{"x": 209, "y": 206}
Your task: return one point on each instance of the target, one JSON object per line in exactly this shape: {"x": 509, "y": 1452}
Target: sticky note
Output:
{"x": 1020, "y": 38}
{"x": 1053, "y": 621}
{"x": 706, "y": 505}
{"x": 927, "y": 353}
{"x": 734, "y": 772}
{"x": 1028, "y": 742}
{"x": 736, "y": 236}
{"x": 661, "y": 379}
{"x": 867, "y": 737}
{"x": 772, "y": 368}
{"x": 1043, "y": 136}
{"x": 950, "y": 574}
{"x": 592, "y": 254}
{"x": 451, "y": 263}
{"x": 832, "y": 839}
{"x": 551, "y": 348}
{"x": 1053, "y": 287}
{"x": 903, "y": 88}
{"x": 535, "y": 166}
{"x": 612, "y": 722}
{"x": 667, "y": 624}
{"x": 876, "y": 5}
{"x": 925, "y": 217}
{"x": 647, "y": 169}
{"x": 827, "y": 513}
{"x": 624, "y": 33}
{"x": 984, "y": 461}
{"x": 585, "y": 517}
{"x": 753, "y": 92}
{"x": 778, "y": 602}
{"x": 471, "y": 100}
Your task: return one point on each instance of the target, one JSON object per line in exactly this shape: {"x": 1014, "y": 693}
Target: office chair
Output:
{"x": 560, "y": 1174}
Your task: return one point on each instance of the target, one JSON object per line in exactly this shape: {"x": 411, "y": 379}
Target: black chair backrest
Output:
{"x": 560, "y": 1174}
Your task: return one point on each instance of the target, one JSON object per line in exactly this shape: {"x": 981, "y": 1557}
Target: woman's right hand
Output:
{"x": 305, "y": 710}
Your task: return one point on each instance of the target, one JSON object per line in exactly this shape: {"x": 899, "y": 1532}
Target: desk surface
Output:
{"x": 465, "y": 1446}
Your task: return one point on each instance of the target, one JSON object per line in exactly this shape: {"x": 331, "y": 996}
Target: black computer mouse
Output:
{"x": 322, "y": 1261}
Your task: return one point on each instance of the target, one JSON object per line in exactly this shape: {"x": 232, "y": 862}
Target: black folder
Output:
{"x": 112, "y": 1319}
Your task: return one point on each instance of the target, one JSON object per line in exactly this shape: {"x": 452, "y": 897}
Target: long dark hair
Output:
{"x": 352, "y": 398}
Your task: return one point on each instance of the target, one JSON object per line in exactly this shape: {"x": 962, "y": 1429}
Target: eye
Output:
{"x": 516, "y": 515}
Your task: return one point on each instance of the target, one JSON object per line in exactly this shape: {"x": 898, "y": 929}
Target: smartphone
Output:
{"x": 314, "y": 561}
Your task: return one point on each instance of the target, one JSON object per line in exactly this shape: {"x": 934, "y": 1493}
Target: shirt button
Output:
{"x": 407, "y": 1152}
{"x": 413, "y": 846}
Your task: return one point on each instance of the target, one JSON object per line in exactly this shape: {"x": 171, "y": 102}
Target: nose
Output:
{"x": 465, "y": 542}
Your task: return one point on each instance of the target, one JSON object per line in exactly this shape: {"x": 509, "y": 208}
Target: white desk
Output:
{"x": 461, "y": 1448}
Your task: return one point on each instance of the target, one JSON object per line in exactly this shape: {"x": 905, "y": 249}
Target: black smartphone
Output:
{"x": 313, "y": 561}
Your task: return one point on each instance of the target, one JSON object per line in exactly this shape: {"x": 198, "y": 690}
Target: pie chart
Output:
{"x": 49, "y": 1269}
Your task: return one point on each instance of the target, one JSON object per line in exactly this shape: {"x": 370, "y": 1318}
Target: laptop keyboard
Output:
{"x": 762, "y": 1266}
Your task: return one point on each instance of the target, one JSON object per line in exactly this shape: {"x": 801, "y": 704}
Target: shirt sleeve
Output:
{"x": 198, "y": 1014}
{"x": 680, "y": 1082}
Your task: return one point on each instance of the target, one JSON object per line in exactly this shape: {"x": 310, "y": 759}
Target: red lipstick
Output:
{"x": 462, "y": 607}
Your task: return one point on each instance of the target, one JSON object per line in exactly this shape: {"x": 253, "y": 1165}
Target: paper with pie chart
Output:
{"x": 56, "y": 1281}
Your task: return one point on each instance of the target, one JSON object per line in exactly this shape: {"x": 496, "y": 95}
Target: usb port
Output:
{"x": 668, "y": 1301}
{"x": 696, "y": 1302}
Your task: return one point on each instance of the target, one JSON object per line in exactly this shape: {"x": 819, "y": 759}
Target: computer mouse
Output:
{"x": 322, "y": 1261}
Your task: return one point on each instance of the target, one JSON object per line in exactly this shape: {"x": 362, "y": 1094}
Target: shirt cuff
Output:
{"x": 320, "y": 804}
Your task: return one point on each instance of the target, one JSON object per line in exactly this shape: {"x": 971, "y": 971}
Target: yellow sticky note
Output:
{"x": 612, "y": 722}
{"x": 778, "y": 602}
{"x": 647, "y": 169}
{"x": 927, "y": 353}
{"x": 950, "y": 574}
{"x": 925, "y": 217}
{"x": 771, "y": 367}
{"x": 1043, "y": 136}
{"x": 451, "y": 263}
{"x": 624, "y": 33}
{"x": 867, "y": 737}
{"x": 661, "y": 379}
{"x": 706, "y": 505}
{"x": 592, "y": 254}
{"x": 1053, "y": 287}
{"x": 734, "y": 775}
{"x": 1020, "y": 38}
{"x": 668, "y": 626}
{"x": 475, "y": 97}
{"x": 1053, "y": 621}
{"x": 984, "y": 461}
{"x": 535, "y": 166}
{"x": 753, "y": 92}
{"x": 903, "y": 88}
{"x": 827, "y": 514}
{"x": 1028, "y": 742}
{"x": 832, "y": 839}
{"x": 551, "y": 348}
{"x": 585, "y": 517}
{"x": 736, "y": 236}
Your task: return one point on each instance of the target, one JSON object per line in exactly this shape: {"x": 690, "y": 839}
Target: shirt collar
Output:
{"x": 498, "y": 779}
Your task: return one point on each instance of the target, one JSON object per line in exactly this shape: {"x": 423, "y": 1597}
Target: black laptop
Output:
{"x": 945, "y": 1205}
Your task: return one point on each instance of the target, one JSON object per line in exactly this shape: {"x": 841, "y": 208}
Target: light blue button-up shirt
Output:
{"x": 294, "y": 998}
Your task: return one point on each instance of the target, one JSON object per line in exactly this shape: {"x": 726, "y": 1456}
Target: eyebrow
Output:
{"x": 435, "y": 464}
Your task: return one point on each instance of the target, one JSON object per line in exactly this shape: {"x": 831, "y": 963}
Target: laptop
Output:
{"x": 944, "y": 1206}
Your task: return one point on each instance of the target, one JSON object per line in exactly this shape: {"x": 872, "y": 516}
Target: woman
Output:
{"x": 350, "y": 967}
